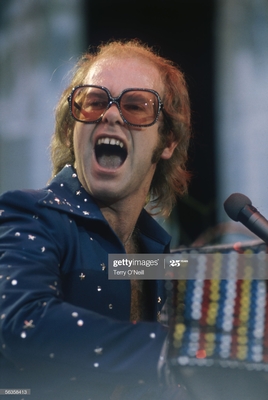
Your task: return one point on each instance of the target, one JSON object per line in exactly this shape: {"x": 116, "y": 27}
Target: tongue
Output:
{"x": 109, "y": 161}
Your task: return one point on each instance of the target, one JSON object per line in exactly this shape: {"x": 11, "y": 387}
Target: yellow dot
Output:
{"x": 245, "y": 302}
{"x": 209, "y": 352}
{"x": 209, "y": 347}
{"x": 242, "y": 349}
{"x": 243, "y": 317}
{"x": 177, "y": 335}
{"x": 211, "y": 321}
{"x": 241, "y": 356}
{"x": 245, "y": 284}
{"x": 215, "y": 296}
{"x": 242, "y": 339}
{"x": 214, "y": 284}
{"x": 248, "y": 251}
{"x": 242, "y": 330}
{"x": 213, "y": 306}
{"x": 180, "y": 328}
{"x": 210, "y": 337}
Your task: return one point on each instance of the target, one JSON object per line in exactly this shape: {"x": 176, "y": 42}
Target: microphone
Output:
{"x": 239, "y": 208}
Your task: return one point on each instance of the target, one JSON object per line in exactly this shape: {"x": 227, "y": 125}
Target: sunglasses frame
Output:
{"x": 116, "y": 101}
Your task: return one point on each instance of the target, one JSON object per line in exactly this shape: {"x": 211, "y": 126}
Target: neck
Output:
{"x": 123, "y": 219}
{"x": 132, "y": 244}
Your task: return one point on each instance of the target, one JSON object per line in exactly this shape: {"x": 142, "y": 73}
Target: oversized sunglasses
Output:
{"x": 137, "y": 107}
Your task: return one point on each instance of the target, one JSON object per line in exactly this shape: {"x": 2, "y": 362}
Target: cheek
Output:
{"x": 75, "y": 146}
{"x": 79, "y": 140}
{"x": 75, "y": 135}
{"x": 78, "y": 147}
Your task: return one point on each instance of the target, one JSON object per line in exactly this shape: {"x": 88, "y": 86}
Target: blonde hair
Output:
{"x": 171, "y": 177}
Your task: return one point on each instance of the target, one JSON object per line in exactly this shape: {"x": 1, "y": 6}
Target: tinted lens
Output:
{"x": 139, "y": 107}
{"x": 89, "y": 103}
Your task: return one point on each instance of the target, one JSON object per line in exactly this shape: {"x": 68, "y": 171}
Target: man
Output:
{"x": 121, "y": 139}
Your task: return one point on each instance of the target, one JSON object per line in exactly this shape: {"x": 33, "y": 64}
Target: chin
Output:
{"x": 106, "y": 196}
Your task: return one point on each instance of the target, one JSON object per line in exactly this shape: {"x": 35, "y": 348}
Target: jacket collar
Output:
{"x": 65, "y": 193}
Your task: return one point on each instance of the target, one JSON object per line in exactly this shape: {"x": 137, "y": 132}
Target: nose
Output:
{"x": 112, "y": 115}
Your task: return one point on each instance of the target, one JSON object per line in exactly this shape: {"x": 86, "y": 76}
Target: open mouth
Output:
{"x": 110, "y": 153}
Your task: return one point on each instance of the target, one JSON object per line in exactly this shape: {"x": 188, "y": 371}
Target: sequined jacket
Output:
{"x": 59, "y": 313}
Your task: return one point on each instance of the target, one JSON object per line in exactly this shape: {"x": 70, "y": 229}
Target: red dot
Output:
{"x": 201, "y": 353}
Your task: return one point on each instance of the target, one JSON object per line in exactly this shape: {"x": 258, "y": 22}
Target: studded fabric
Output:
{"x": 58, "y": 310}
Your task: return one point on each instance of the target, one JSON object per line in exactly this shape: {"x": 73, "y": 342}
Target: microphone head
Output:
{"x": 235, "y": 203}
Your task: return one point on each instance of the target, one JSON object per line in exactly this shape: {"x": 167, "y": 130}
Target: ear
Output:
{"x": 168, "y": 151}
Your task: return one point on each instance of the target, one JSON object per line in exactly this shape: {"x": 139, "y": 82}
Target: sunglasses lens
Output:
{"x": 139, "y": 107}
{"x": 89, "y": 103}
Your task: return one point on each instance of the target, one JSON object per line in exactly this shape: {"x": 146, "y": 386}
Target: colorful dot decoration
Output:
{"x": 220, "y": 321}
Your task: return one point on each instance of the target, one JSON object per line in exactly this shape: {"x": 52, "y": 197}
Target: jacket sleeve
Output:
{"x": 37, "y": 326}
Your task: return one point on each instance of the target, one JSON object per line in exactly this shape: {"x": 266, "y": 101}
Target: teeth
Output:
{"x": 111, "y": 141}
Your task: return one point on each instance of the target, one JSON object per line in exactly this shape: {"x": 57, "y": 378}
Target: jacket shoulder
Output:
{"x": 27, "y": 205}
{"x": 24, "y": 199}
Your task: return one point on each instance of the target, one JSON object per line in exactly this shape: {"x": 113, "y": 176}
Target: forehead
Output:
{"x": 118, "y": 74}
